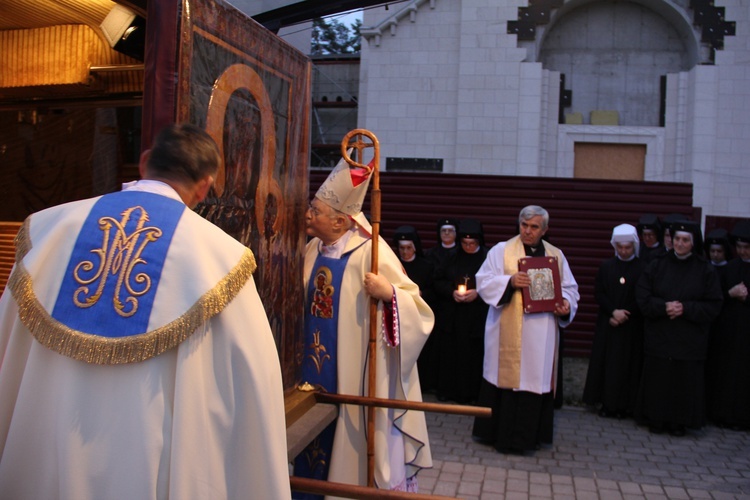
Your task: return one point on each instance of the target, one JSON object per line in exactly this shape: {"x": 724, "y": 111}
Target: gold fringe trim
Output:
{"x": 96, "y": 349}
{"x": 22, "y": 242}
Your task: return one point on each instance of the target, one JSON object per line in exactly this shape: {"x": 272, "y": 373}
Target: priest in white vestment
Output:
{"x": 521, "y": 349}
{"x": 339, "y": 285}
{"x": 136, "y": 359}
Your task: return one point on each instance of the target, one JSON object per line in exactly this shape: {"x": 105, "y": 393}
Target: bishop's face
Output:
{"x": 319, "y": 221}
{"x": 532, "y": 230}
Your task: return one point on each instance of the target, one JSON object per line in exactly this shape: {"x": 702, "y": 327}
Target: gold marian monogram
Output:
{"x": 319, "y": 355}
{"x": 118, "y": 259}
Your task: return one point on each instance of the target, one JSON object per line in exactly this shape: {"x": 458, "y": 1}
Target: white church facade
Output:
{"x": 653, "y": 90}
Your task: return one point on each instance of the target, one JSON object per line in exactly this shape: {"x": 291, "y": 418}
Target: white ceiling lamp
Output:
{"x": 125, "y": 31}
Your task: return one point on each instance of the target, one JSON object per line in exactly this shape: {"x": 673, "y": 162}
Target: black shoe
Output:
{"x": 511, "y": 451}
{"x": 481, "y": 440}
{"x": 606, "y": 413}
{"x": 656, "y": 429}
{"x": 677, "y": 430}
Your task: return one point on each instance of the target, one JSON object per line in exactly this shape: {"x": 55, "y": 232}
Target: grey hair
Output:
{"x": 335, "y": 212}
{"x": 532, "y": 211}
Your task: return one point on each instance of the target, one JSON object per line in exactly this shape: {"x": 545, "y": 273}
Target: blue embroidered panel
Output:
{"x": 321, "y": 323}
{"x": 111, "y": 279}
{"x": 319, "y": 362}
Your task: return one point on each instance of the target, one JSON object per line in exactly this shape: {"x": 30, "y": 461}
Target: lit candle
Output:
{"x": 462, "y": 289}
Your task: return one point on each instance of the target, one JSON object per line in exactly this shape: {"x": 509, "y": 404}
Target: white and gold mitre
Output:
{"x": 345, "y": 188}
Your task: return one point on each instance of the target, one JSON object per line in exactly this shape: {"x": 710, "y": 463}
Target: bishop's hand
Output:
{"x": 378, "y": 286}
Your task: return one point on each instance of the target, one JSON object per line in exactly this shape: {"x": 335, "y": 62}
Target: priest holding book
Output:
{"x": 520, "y": 345}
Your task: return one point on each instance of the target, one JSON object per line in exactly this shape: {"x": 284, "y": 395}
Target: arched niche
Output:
{"x": 676, "y": 13}
{"x": 613, "y": 55}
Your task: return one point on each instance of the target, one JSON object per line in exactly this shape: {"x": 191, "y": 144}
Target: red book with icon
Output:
{"x": 545, "y": 291}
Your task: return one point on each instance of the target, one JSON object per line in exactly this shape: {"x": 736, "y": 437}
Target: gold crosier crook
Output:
{"x": 373, "y": 168}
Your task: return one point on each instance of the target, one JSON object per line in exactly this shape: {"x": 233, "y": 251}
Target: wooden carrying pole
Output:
{"x": 472, "y": 411}
{"x": 321, "y": 487}
{"x": 373, "y": 167}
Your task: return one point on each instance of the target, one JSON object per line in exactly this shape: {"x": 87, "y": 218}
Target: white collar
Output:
{"x": 152, "y": 186}
{"x": 336, "y": 249}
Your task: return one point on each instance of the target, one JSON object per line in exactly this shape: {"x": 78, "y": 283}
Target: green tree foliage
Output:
{"x": 330, "y": 37}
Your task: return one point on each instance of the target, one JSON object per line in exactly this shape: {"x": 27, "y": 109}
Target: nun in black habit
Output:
{"x": 729, "y": 367}
{"x": 439, "y": 255}
{"x": 718, "y": 249}
{"x": 615, "y": 364}
{"x": 680, "y": 296}
{"x": 462, "y": 347}
{"x": 446, "y": 247}
{"x": 408, "y": 247}
{"x": 650, "y": 232}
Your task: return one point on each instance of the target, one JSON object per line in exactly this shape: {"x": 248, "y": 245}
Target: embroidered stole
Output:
{"x": 319, "y": 362}
{"x": 111, "y": 279}
{"x": 105, "y": 301}
{"x": 511, "y": 318}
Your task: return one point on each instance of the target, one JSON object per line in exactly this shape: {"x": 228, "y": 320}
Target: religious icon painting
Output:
{"x": 545, "y": 292}
{"x": 219, "y": 69}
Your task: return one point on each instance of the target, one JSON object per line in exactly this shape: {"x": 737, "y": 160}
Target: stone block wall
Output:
{"x": 444, "y": 79}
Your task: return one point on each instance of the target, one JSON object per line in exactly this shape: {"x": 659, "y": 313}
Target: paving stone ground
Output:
{"x": 591, "y": 458}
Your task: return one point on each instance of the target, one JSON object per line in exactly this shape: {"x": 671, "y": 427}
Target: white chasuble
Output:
{"x": 401, "y": 445}
{"x": 534, "y": 366}
{"x": 202, "y": 419}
